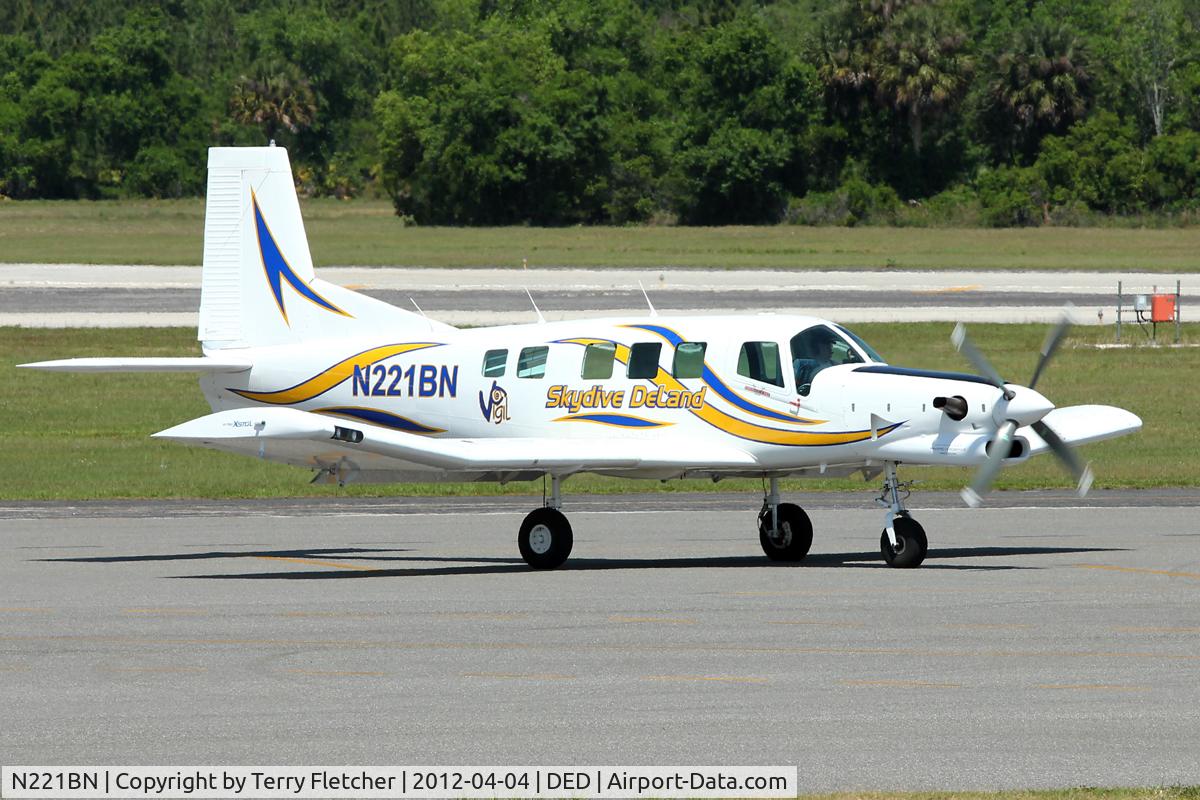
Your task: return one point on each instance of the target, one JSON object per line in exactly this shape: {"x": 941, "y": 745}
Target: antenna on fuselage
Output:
{"x": 653, "y": 310}
{"x": 418, "y": 308}
{"x": 538, "y": 311}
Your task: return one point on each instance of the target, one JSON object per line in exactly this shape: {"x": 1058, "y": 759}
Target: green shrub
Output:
{"x": 855, "y": 201}
{"x": 1013, "y": 197}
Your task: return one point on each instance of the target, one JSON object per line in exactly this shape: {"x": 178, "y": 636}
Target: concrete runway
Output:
{"x": 1042, "y": 644}
{"x": 58, "y": 295}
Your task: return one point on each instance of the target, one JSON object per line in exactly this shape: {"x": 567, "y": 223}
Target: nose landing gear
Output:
{"x": 903, "y": 541}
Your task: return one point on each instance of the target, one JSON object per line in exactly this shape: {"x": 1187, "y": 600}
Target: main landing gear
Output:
{"x": 784, "y": 530}
{"x": 545, "y": 538}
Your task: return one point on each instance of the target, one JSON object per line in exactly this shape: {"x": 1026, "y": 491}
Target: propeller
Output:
{"x": 1006, "y": 411}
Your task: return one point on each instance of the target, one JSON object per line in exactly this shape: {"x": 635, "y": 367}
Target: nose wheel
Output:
{"x": 911, "y": 544}
{"x": 903, "y": 542}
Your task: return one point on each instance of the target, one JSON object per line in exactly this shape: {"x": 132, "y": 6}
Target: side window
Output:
{"x": 689, "y": 360}
{"x": 643, "y": 359}
{"x": 760, "y": 361}
{"x": 532, "y": 362}
{"x": 598, "y": 360}
{"x": 494, "y": 362}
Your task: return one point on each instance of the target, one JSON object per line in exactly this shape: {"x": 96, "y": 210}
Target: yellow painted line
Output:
{"x": 1156, "y": 630}
{"x": 330, "y": 614}
{"x": 813, "y": 622}
{"x": 704, "y": 678}
{"x": 663, "y": 620}
{"x": 1139, "y": 570}
{"x": 14, "y": 669}
{"x": 167, "y": 611}
{"x": 336, "y": 673}
{"x": 915, "y": 684}
{"x": 517, "y": 676}
{"x": 1100, "y": 687}
{"x": 312, "y": 562}
{"x": 155, "y": 669}
{"x": 951, "y": 289}
{"x": 26, "y": 611}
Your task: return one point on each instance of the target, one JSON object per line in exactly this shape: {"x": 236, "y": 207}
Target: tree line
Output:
{"x": 556, "y": 112}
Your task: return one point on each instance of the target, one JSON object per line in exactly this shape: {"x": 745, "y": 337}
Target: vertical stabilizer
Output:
{"x": 258, "y": 286}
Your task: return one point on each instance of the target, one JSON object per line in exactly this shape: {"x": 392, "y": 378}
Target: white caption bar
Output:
{"x": 396, "y": 782}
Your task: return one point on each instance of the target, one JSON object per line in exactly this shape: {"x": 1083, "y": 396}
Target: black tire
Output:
{"x": 545, "y": 538}
{"x": 911, "y": 544}
{"x": 794, "y": 537}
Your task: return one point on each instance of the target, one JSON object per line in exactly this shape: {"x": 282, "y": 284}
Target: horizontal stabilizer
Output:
{"x": 222, "y": 364}
{"x": 1078, "y": 425}
{"x": 252, "y": 429}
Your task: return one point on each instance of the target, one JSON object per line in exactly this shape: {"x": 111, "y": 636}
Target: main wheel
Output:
{"x": 545, "y": 538}
{"x": 793, "y": 536}
{"x": 911, "y": 544}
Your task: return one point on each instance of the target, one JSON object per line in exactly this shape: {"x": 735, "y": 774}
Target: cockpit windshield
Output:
{"x": 823, "y": 346}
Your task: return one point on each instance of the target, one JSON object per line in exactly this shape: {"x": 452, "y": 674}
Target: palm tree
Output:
{"x": 920, "y": 66}
{"x": 276, "y": 102}
{"x": 1041, "y": 84}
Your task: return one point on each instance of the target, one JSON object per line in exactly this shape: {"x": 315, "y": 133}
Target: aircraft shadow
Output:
{"x": 342, "y": 554}
{"x": 496, "y": 566}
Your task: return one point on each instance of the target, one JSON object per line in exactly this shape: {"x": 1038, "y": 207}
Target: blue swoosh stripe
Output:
{"x": 278, "y": 270}
{"x": 377, "y": 417}
{"x": 618, "y": 419}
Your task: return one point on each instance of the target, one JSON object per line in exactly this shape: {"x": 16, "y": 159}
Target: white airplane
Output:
{"x": 308, "y": 373}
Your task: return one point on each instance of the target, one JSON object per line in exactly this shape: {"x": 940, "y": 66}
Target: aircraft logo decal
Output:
{"x": 277, "y": 269}
{"x": 495, "y": 407}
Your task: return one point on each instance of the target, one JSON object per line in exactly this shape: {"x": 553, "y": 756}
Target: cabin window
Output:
{"x": 494, "y": 362}
{"x": 689, "y": 360}
{"x": 643, "y": 359}
{"x": 816, "y": 349}
{"x": 760, "y": 361}
{"x": 598, "y": 360}
{"x": 532, "y": 362}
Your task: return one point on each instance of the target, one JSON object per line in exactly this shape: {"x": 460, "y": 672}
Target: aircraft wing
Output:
{"x": 205, "y": 364}
{"x": 1078, "y": 425}
{"x": 252, "y": 430}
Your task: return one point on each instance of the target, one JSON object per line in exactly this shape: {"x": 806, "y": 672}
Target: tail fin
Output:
{"x": 258, "y": 285}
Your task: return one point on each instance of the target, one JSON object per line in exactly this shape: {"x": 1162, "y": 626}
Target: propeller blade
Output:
{"x": 973, "y": 494}
{"x": 1053, "y": 339}
{"x": 973, "y": 354}
{"x": 1066, "y": 454}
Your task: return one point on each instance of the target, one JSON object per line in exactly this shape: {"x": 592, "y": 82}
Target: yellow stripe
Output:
{"x": 706, "y": 678}
{"x": 738, "y": 427}
{"x": 1167, "y": 572}
{"x": 323, "y": 382}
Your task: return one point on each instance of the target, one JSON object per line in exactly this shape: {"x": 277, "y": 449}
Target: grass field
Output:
{"x": 366, "y": 232}
{"x": 87, "y": 436}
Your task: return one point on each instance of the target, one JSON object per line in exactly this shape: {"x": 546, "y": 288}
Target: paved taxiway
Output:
{"x": 80, "y": 295}
{"x": 1041, "y": 645}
